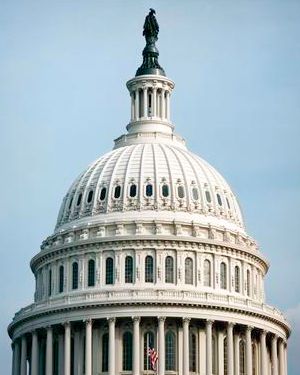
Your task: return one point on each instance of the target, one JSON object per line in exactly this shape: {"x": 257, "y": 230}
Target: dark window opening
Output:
{"x": 79, "y": 199}
{"x": 117, "y": 191}
{"x": 102, "y": 194}
{"x": 149, "y": 190}
{"x": 219, "y": 199}
{"x": 90, "y": 196}
{"x": 91, "y": 273}
{"x": 165, "y": 190}
{"x": 180, "y": 191}
{"x": 132, "y": 191}
{"x": 208, "y": 197}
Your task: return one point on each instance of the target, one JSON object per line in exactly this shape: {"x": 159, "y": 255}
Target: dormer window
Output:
{"x": 207, "y": 196}
{"x": 195, "y": 193}
{"x": 180, "y": 191}
{"x": 90, "y": 196}
{"x": 165, "y": 190}
{"x": 117, "y": 193}
{"x": 149, "y": 190}
{"x": 132, "y": 191}
{"x": 103, "y": 194}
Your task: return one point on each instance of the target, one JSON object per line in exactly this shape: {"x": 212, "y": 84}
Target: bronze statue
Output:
{"x": 151, "y": 27}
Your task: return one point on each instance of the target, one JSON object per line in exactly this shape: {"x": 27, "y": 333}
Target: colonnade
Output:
{"x": 150, "y": 102}
{"x": 26, "y": 347}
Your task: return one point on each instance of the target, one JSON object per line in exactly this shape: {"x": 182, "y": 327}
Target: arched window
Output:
{"x": 127, "y": 351}
{"x": 180, "y": 191}
{"x": 207, "y": 273}
{"x": 169, "y": 270}
{"x": 219, "y": 199}
{"x": 79, "y": 199}
{"x": 90, "y": 196}
{"x": 165, "y": 190}
{"x": 103, "y": 194}
{"x": 225, "y": 357}
{"x": 148, "y": 344}
{"x": 149, "y": 269}
{"x": 195, "y": 193}
{"x": 91, "y": 272}
{"x": 188, "y": 271}
{"x": 223, "y": 275}
{"x": 237, "y": 282}
{"x": 132, "y": 191}
{"x": 149, "y": 190}
{"x": 170, "y": 351}
{"x": 61, "y": 279}
{"x": 128, "y": 269}
{"x": 105, "y": 352}
{"x": 248, "y": 283}
{"x": 75, "y": 275}
{"x": 117, "y": 192}
{"x": 109, "y": 271}
{"x": 242, "y": 358}
{"x": 207, "y": 196}
{"x": 50, "y": 283}
{"x": 192, "y": 352}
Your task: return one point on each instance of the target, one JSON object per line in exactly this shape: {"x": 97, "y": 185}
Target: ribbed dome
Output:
{"x": 150, "y": 177}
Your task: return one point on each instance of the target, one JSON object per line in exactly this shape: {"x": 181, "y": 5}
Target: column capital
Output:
{"x": 136, "y": 319}
{"x": 230, "y": 325}
{"x": 49, "y": 328}
{"x": 275, "y": 337}
{"x": 161, "y": 319}
{"x": 249, "y": 328}
{"x": 186, "y": 320}
{"x": 209, "y": 322}
{"x": 264, "y": 332}
{"x": 111, "y": 320}
{"x": 88, "y": 321}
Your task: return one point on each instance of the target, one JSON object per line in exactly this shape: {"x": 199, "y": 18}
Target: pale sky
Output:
{"x": 63, "y": 99}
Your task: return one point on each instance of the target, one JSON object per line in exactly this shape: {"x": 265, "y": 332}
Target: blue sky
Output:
{"x": 63, "y": 68}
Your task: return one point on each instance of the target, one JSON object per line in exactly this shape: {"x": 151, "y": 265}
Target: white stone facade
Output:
{"x": 149, "y": 250}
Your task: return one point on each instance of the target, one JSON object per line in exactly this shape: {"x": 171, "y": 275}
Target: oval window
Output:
{"x": 132, "y": 191}
{"x": 117, "y": 191}
{"x": 228, "y": 204}
{"x": 103, "y": 194}
{"x": 208, "y": 197}
{"x": 90, "y": 196}
{"x": 79, "y": 199}
{"x": 195, "y": 194}
{"x": 149, "y": 190}
{"x": 165, "y": 190}
{"x": 180, "y": 191}
{"x": 219, "y": 199}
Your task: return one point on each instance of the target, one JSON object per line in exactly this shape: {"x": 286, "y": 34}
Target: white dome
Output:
{"x": 194, "y": 187}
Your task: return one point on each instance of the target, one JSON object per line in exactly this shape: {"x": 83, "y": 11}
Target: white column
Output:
{"x": 154, "y": 101}
{"x": 263, "y": 348}
{"x": 281, "y": 358}
{"x": 23, "y": 356}
{"x": 186, "y": 357}
{"x": 274, "y": 356}
{"x": 49, "y": 351}
{"x": 145, "y": 101}
{"x": 230, "y": 348}
{"x": 221, "y": 352}
{"x": 161, "y": 345}
{"x": 163, "y": 104}
{"x": 137, "y": 104}
{"x": 136, "y": 345}
{"x": 285, "y": 359}
{"x": 111, "y": 346}
{"x": 88, "y": 347}
{"x": 249, "y": 358}
{"x": 236, "y": 354}
{"x": 168, "y": 104}
{"x": 132, "y": 114}
{"x": 67, "y": 362}
{"x": 209, "y": 324}
{"x": 16, "y": 358}
{"x": 34, "y": 354}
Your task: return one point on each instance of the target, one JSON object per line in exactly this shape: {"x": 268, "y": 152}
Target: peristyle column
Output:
{"x": 49, "y": 351}
{"x": 209, "y": 324}
{"x": 136, "y": 345}
{"x": 137, "y": 104}
{"x": 281, "y": 358}
{"x": 186, "y": 364}
{"x": 161, "y": 345}
{"x": 263, "y": 348}
{"x": 145, "y": 101}
{"x": 163, "y": 104}
{"x": 236, "y": 354}
{"x": 111, "y": 344}
{"x": 230, "y": 348}
{"x": 23, "y": 370}
{"x": 34, "y": 354}
{"x": 274, "y": 356}
{"x": 88, "y": 347}
{"x": 67, "y": 362}
{"x": 154, "y": 101}
{"x": 248, "y": 351}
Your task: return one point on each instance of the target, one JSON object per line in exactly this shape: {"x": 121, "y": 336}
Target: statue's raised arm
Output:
{"x": 151, "y": 27}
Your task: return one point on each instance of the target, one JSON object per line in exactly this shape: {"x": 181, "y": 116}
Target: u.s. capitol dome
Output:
{"x": 149, "y": 251}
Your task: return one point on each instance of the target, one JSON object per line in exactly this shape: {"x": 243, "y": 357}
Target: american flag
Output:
{"x": 153, "y": 358}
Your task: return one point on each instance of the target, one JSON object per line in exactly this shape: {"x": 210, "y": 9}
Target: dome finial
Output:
{"x": 150, "y": 53}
